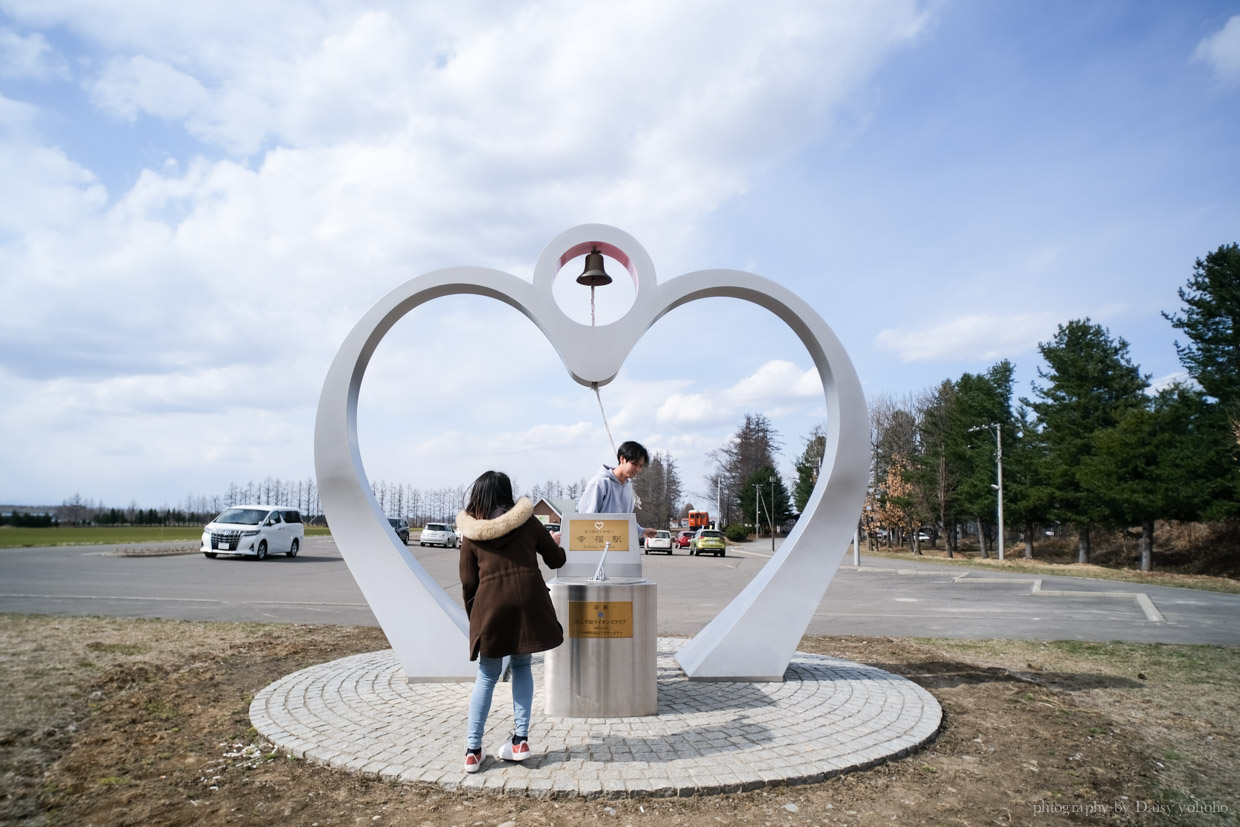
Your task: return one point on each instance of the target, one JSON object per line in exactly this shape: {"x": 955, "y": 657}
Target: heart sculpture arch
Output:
{"x": 755, "y": 635}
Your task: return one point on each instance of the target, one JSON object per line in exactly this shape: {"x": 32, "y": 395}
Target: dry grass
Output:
{"x": 1186, "y": 555}
{"x": 111, "y": 721}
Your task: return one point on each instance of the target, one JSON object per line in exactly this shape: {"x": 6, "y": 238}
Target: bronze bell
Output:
{"x": 594, "y": 275}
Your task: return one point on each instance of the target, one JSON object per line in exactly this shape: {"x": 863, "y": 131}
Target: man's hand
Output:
{"x": 555, "y": 537}
{"x": 649, "y": 532}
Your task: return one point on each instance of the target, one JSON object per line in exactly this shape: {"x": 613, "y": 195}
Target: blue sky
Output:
{"x": 199, "y": 203}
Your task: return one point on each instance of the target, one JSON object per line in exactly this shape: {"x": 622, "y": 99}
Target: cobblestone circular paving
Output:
{"x": 827, "y": 717}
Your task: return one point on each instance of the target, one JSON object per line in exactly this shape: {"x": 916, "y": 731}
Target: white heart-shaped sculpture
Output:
{"x": 755, "y": 635}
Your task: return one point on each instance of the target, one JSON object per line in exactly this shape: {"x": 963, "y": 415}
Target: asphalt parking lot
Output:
{"x": 879, "y": 598}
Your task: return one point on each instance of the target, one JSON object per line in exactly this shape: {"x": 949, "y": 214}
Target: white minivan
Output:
{"x": 254, "y": 530}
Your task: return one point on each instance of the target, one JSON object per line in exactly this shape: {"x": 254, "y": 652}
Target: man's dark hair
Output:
{"x": 633, "y": 451}
{"x": 490, "y": 491}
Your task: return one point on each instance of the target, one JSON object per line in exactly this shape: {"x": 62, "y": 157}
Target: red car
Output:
{"x": 683, "y": 538}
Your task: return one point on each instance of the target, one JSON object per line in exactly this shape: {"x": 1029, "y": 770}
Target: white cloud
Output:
{"x": 777, "y": 383}
{"x": 971, "y": 337}
{"x": 63, "y": 442}
{"x": 44, "y": 191}
{"x": 138, "y": 84}
{"x": 540, "y": 439}
{"x": 379, "y": 142}
{"x": 1221, "y": 51}
{"x": 774, "y": 388}
{"x": 29, "y": 56}
{"x": 16, "y": 118}
{"x": 479, "y": 143}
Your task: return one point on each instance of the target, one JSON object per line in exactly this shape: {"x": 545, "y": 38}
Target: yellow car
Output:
{"x": 708, "y": 541}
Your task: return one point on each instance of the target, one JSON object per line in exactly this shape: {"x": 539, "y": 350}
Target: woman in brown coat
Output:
{"x": 509, "y": 606}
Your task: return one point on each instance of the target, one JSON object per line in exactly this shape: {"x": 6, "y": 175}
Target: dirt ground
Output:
{"x": 113, "y": 721}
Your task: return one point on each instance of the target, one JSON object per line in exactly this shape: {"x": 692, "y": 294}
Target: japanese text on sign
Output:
{"x": 588, "y": 618}
{"x": 594, "y": 535}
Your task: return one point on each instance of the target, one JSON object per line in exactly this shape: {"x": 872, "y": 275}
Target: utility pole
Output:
{"x": 999, "y": 487}
{"x": 771, "y": 513}
{"x": 998, "y": 432}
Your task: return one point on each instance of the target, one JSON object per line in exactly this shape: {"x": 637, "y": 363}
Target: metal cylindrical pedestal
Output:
{"x": 606, "y": 666}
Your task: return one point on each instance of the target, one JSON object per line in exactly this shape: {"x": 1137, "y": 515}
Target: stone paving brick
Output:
{"x": 539, "y": 787}
{"x": 828, "y": 716}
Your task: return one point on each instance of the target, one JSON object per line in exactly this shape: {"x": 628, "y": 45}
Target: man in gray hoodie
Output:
{"x": 611, "y": 489}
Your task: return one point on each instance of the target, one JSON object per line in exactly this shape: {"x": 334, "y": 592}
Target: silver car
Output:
{"x": 438, "y": 534}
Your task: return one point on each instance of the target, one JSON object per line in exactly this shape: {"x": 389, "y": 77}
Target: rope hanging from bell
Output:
{"x": 595, "y": 276}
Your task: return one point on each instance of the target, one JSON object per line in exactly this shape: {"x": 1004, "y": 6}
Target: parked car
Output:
{"x": 683, "y": 539}
{"x": 254, "y": 531}
{"x": 923, "y": 536}
{"x": 661, "y": 541}
{"x": 708, "y": 541}
{"x": 439, "y": 534}
{"x": 401, "y": 528}
{"x": 553, "y": 527}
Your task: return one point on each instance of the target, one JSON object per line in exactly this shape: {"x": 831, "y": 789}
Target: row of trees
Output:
{"x": 24, "y": 519}
{"x": 419, "y": 506}
{"x": 197, "y": 509}
{"x": 1092, "y": 447}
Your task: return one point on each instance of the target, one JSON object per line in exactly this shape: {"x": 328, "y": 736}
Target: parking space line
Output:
{"x": 1142, "y": 599}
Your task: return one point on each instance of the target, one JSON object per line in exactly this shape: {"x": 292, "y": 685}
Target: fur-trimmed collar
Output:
{"x": 513, "y": 519}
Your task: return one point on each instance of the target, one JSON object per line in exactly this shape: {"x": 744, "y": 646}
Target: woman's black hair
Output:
{"x": 490, "y": 491}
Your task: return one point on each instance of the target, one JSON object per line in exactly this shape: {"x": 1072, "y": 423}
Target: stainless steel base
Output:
{"x": 606, "y": 667}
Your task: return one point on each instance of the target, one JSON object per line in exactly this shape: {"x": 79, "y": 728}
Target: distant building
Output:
{"x": 553, "y": 509}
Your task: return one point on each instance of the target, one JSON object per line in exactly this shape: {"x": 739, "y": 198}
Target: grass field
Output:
{"x": 14, "y": 537}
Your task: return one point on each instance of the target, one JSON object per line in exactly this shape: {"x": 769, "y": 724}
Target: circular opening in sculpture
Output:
{"x": 610, "y": 301}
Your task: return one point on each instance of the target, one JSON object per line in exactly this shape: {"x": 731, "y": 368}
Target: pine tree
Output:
{"x": 1211, "y": 320}
{"x": 939, "y": 472}
{"x": 767, "y": 492}
{"x": 1091, "y": 386}
{"x": 980, "y": 400}
{"x": 1027, "y": 495}
{"x": 1158, "y": 462}
{"x": 808, "y": 466}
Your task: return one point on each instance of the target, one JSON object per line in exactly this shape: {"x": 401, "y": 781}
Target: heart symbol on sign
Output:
{"x": 599, "y": 526}
{"x": 755, "y": 635}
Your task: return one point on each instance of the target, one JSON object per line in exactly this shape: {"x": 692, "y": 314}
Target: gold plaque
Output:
{"x": 594, "y": 535}
{"x": 603, "y": 618}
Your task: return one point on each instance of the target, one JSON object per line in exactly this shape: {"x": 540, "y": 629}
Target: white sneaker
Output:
{"x": 517, "y": 752}
{"x": 473, "y": 763}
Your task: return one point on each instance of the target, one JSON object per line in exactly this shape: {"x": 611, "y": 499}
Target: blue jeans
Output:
{"x": 484, "y": 686}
